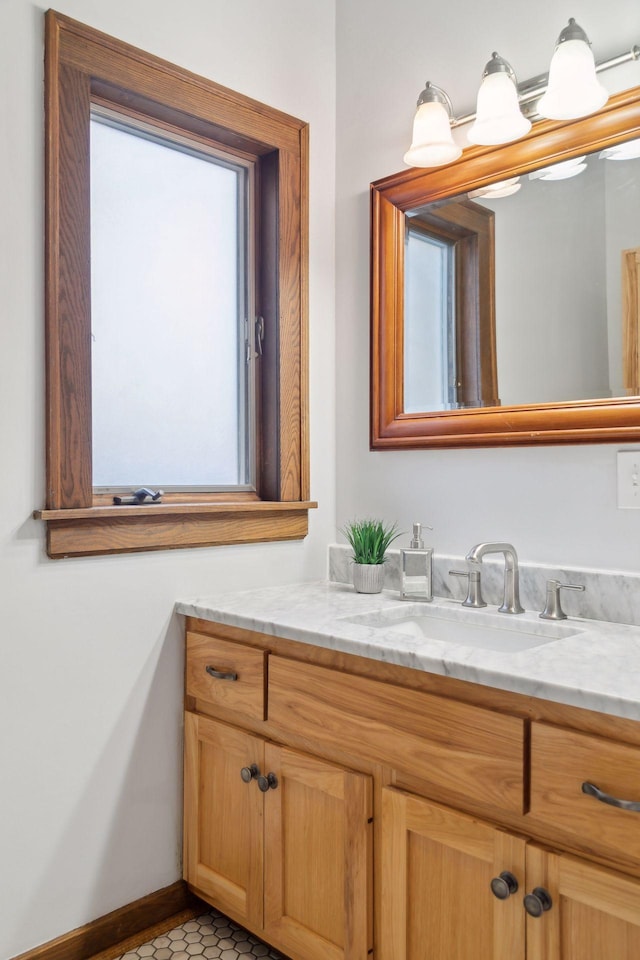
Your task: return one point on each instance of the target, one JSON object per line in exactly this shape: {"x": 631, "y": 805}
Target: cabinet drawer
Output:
{"x": 245, "y": 694}
{"x": 461, "y": 748}
{"x": 561, "y": 761}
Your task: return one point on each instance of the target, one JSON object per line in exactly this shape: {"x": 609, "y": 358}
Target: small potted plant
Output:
{"x": 369, "y": 541}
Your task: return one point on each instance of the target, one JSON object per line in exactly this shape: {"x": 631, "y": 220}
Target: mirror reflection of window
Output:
{"x": 448, "y": 316}
{"x": 171, "y": 385}
{"x": 559, "y": 235}
{"x": 429, "y": 323}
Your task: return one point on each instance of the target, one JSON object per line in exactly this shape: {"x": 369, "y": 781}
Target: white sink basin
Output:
{"x": 463, "y": 627}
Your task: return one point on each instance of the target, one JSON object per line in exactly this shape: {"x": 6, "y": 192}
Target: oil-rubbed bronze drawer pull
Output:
{"x": 219, "y": 675}
{"x": 593, "y": 791}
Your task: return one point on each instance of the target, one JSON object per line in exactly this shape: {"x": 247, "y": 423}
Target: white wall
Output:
{"x": 551, "y": 309}
{"x": 91, "y": 655}
{"x": 556, "y": 504}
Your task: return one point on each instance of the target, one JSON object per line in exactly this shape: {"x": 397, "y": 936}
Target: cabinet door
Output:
{"x": 223, "y": 853}
{"x": 317, "y": 858}
{"x": 436, "y": 898}
{"x": 594, "y": 913}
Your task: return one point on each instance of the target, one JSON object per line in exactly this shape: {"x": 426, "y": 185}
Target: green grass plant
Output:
{"x": 369, "y": 539}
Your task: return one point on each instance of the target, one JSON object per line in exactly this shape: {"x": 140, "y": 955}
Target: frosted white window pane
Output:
{"x": 425, "y": 323}
{"x": 167, "y": 390}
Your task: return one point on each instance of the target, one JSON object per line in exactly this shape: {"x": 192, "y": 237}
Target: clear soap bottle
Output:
{"x": 416, "y": 568}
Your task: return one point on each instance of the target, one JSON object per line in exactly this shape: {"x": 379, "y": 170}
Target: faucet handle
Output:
{"x": 552, "y": 608}
{"x": 474, "y": 590}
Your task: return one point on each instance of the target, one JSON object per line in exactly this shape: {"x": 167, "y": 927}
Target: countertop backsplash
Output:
{"x": 608, "y": 594}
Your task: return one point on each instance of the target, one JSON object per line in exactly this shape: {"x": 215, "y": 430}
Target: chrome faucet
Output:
{"x": 511, "y": 598}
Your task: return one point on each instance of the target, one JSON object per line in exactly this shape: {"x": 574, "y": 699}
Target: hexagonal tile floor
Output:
{"x": 212, "y": 936}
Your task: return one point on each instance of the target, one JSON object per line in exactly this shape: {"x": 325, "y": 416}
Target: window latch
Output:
{"x": 140, "y": 496}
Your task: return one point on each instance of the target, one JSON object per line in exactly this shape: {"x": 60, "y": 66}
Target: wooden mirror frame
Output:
{"x": 584, "y": 421}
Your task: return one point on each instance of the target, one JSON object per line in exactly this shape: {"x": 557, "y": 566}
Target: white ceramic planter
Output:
{"x": 368, "y": 577}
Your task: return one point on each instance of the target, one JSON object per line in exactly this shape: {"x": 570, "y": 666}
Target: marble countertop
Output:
{"x": 586, "y": 663}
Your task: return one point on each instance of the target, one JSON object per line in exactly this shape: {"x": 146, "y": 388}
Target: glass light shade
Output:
{"x": 498, "y": 116}
{"x": 432, "y": 144}
{"x": 574, "y": 89}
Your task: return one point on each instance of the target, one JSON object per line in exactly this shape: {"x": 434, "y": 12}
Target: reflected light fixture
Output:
{"x": 629, "y": 150}
{"x": 502, "y": 188}
{"x": 574, "y": 89}
{"x": 498, "y": 115}
{"x": 432, "y": 144}
{"x": 560, "y": 171}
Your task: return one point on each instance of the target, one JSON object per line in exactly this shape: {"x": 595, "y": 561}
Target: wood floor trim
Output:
{"x": 122, "y": 929}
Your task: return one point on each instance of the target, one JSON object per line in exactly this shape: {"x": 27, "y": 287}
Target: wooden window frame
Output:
{"x": 83, "y": 66}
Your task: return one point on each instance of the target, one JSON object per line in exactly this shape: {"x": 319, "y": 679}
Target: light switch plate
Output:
{"x": 629, "y": 479}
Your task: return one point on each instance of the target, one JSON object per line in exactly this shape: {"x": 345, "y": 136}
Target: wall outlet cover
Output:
{"x": 629, "y": 479}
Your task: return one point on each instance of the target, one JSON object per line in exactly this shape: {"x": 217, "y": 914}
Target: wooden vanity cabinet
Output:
{"x": 437, "y": 871}
{"x": 223, "y": 818}
{"x": 437, "y": 867}
{"x": 465, "y": 786}
{"x": 276, "y": 838}
{"x": 317, "y": 866}
{"x": 595, "y": 913}
{"x": 561, "y": 761}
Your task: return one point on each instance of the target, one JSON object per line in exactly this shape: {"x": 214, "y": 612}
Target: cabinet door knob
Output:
{"x": 220, "y": 675}
{"x": 250, "y": 773}
{"x": 270, "y": 782}
{"x": 503, "y": 886}
{"x": 537, "y": 902}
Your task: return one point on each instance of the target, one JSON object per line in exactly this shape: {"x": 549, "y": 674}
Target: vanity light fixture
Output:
{"x": 432, "y": 144}
{"x": 570, "y": 90}
{"x": 498, "y": 116}
{"x": 574, "y": 89}
{"x": 560, "y": 171}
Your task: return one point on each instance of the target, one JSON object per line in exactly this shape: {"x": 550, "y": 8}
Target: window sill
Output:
{"x": 93, "y": 531}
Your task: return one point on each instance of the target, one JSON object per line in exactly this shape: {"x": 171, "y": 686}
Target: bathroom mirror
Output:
{"x": 511, "y": 318}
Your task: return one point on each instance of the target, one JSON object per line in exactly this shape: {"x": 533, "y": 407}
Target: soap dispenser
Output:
{"x": 416, "y": 568}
